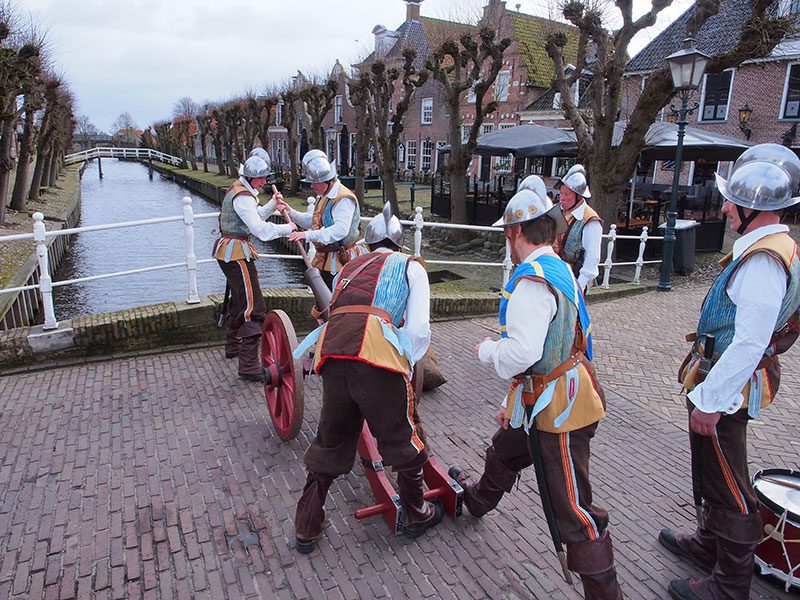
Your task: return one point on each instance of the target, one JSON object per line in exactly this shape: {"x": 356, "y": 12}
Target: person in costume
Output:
{"x": 580, "y": 245}
{"x": 379, "y": 327}
{"x": 240, "y": 217}
{"x": 748, "y": 317}
{"x": 554, "y": 401}
{"x": 334, "y": 228}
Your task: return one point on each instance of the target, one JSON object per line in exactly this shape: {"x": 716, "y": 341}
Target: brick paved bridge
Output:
{"x": 160, "y": 477}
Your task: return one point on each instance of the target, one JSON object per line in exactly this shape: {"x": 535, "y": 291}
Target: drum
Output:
{"x": 778, "y": 554}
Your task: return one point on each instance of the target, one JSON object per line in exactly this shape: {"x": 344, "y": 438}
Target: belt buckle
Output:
{"x": 344, "y": 282}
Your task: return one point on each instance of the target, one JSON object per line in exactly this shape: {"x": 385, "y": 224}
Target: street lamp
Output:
{"x": 687, "y": 66}
{"x": 744, "y": 120}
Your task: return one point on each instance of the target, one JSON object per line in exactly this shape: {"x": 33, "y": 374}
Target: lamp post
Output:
{"x": 744, "y": 120}
{"x": 687, "y": 66}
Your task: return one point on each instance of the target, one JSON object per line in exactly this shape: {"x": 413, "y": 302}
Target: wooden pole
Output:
{"x": 300, "y": 246}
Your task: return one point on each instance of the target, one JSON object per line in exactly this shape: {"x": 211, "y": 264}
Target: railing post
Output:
{"x": 191, "y": 259}
{"x": 640, "y": 259}
{"x": 418, "y": 222}
{"x": 312, "y": 249}
{"x": 507, "y": 265}
{"x": 612, "y": 236}
{"x": 45, "y": 281}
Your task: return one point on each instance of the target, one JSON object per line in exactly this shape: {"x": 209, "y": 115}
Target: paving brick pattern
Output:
{"x": 160, "y": 477}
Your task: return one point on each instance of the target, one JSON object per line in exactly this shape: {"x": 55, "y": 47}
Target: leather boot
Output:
{"x": 421, "y": 515}
{"x": 483, "y": 496}
{"x": 232, "y": 342}
{"x": 737, "y": 538}
{"x": 593, "y": 560}
{"x": 249, "y": 364}
{"x": 700, "y": 547}
{"x": 310, "y": 515}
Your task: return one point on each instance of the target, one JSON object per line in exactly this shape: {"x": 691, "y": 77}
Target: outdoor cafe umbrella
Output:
{"x": 525, "y": 141}
{"x": 661, "y": 141}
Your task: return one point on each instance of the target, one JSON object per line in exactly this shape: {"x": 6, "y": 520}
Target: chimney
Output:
{"x": 412, "y": 9}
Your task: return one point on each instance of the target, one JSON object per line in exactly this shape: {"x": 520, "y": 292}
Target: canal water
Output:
{"x": 126, "y": 194}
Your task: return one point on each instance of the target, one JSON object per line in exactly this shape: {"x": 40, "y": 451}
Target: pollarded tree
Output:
{"x": 360, "y": 97}
{"x": 217, "y": 128}
{"x": 602, "y": 55}
{"x": 318, "y": 100}
{"x": 185, "y": 112}
{"x": 470, "y": 63}
{"x": 33, "y": 103}
{"x": 124, "y": 130}
{"x": 203, "y": 130}
{"x": 390, "y": 92}
{"x": 55, "y": 100}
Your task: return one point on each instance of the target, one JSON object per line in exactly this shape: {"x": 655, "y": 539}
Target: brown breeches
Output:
{"x": 246, "y": 308}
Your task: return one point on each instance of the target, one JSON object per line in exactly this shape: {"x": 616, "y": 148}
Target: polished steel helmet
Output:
{"x": 260, "y": 152}
{"x": 577, "y": 181}
{"x": 527, "y": 205}
{"x": 255, "y": 166}
{"x": 759, "y": 185}
{"x": 533, "y": 183}
{"x": 384, "y": 226}
{"x": 317, "y": 168}
{"x": 776, "y": 154}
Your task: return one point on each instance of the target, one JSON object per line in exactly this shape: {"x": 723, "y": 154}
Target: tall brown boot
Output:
{"x": 232, "y": 342}
{"x": 421, "y": 515}
{"x": 310, "y": 515}
{"x": 593, "y": 560}
{"x": 737, "y": 538}
{"x": 483, "y": 496}
{"x": 249, "y": 365}
{"x": 699, "y": 547}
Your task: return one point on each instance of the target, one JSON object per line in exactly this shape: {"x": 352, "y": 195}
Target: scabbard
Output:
{"x": 535, "y": 449}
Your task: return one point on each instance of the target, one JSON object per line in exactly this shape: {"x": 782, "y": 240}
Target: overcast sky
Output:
{"x": 140, "y": 56}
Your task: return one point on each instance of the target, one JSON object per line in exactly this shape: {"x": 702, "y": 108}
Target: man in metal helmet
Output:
{"x": 580, "y": 246}
{"x": 240, "y": 217}
{"x": 334, "y": 228}
{"x": 379, "y": 327}
{"x": 748, "y": 317}
{"x": 262, "y": 154}
{"x": 554, "y": 402}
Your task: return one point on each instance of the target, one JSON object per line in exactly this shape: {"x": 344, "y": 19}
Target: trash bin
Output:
{"x": 685, "y": 242}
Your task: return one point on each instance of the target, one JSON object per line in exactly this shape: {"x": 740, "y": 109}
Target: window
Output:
{"x": 427, "y": 111}
{"x": 299, "y": 125}
{"x": 337, "y": 109}
{"x": 401, "y": 153}
{"x": 791, "y": 94}
{"x": 411, "y": 155}
{"x": 465, "y": 131}
{"x": 439, "y": 146}
{"x": 507, "y": 125}
{"x": 502, "y": 165}
{"x": 353, "y": 150}
{"x": 427, "y": 155}
{"x": 279, "y": 114}
{"x": 487, "y": 128}
{"x": 716, "y": 95}
{"x": 284, "y": 152}
{"x": 331, "y": 146}
{"x": 471, "y": 93}
{"x": 561, "y": 166}
{"x": 501, "y": 86}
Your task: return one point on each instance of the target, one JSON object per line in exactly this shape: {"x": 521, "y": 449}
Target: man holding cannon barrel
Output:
{"x": 554, "y": 402}
{"x": 335, "y": 226}
{"x": 379, "y": 327}
{"x": 239, "y": 218}
{"x": 748, "y": 317}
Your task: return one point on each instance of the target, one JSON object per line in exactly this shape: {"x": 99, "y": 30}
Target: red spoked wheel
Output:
{"x": 283, "y": 377}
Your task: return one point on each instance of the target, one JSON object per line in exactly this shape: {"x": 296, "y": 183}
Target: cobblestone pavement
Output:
{"x": 161, "y": 477}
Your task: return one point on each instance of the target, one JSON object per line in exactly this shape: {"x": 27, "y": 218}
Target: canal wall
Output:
{"x": 62, "y": 210}
{"x": 171, "y": 325}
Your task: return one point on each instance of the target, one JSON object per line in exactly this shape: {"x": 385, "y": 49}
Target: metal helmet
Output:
{"x": 759, "y": 185}
{"x": 255, "y": 166}
{"x": 576, "y": 180}
{"x": 776, "y": 154}
{"x": 527, "y": 205}
{"x": 317, "y": 168}
{"x": 533, "y": 183}
{"x": 384, "y": 226}
{"x": 260, "y": 152}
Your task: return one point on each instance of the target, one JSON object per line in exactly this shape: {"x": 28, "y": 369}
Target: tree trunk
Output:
{"x": 294, "y": 176}
{"x": 53, "y": 168}
{"x": 192, "y": 157}
{"x": 26, "y": 145}
{"x": 44, "y": 182}
{"x": 360, "y": 172}
{"x": 204, "y": 152}
{"x": 36, "y": 180}
{"x": 217, "y": 140}
{"x": 6, "y": 164}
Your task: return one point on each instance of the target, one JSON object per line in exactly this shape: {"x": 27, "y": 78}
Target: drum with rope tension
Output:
{"x": 778, "y": 554}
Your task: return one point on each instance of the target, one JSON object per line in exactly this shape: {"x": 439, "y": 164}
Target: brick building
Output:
{"x": 769, "y": 87}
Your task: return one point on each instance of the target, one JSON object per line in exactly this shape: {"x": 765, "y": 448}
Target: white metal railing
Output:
{"x": 110, "y": 152}
{"x": 46, "y": 284}
{"x": 612, "y": 237}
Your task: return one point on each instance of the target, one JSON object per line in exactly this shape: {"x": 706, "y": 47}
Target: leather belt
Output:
{"x": 235, "y": 236}
{"x": 540, "y": 382}
{"x": 355, "y": 309}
